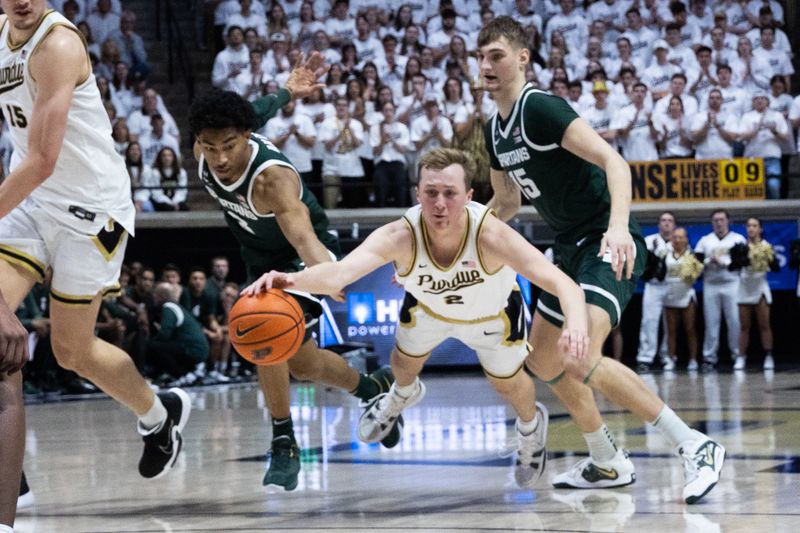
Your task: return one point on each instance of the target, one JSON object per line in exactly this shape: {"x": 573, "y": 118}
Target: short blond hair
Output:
{"x": 441, "y": 158}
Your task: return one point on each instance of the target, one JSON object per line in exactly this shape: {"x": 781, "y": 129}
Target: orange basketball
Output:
{"x": 268, "y": 328}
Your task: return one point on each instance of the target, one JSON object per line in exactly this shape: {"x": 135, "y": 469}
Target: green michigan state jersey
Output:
{"x": 569, "y": 193}
{"x": 264, "y": 246}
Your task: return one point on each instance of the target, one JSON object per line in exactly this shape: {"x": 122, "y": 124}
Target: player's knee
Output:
{"x": 70, "y": 355}
{"x": 307, "y": 368}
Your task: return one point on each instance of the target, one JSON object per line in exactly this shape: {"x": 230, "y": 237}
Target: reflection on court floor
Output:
{"x": 447, "y": 473}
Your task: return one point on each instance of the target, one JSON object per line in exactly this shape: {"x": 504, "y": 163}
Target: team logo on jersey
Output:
{"x": 460, "y": 281}
{"x": 12, "y": 77}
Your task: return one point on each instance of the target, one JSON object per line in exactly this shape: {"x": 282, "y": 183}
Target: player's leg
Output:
{"x": 712, "y": 313}
{"x": 15, "y": 283}
{"x": 607, "y": 465}
{"x": 730, "y": 308}
{"x": 745, "y": 315}
{"x": 762, "y": 317}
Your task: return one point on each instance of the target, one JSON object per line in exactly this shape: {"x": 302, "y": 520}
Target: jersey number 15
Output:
{"x": 16, "y": 117}
{"x": 529, "y": 188}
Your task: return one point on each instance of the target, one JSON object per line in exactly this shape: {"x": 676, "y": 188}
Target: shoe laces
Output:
{"x": 690, "y": 469}
{"x": 389, "y": 406}
{"x": 525, "y": 446}
{"x": 282, "y": 450}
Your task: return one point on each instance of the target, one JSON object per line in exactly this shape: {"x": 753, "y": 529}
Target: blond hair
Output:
{"x": 441, "y": 158}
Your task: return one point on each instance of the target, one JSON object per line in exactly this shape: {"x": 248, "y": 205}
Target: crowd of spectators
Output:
{"x": 175, "y": 333}
{"x": 657, "y": 79}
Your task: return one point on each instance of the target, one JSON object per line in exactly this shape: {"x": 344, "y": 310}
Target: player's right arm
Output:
{"x": 58, "y": 65}
{"x": 389, "y": 243}
{"x": 506, "y": 199}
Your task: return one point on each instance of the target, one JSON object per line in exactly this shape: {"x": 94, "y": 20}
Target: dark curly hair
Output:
{"x": 217, "y": 110}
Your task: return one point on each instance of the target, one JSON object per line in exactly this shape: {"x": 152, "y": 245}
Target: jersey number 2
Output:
{"x": 242, "y": 222}
{"x": 529, "y": 188}
{"x": 16, "y": 117}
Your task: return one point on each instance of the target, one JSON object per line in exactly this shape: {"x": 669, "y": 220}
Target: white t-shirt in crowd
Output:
{"x": 422, "y": 126}
{"x": 765, "y": 143}
{"x": 713, "y": 146}
{"x": 340, "y": 161}
{"x": 299, "y": 155}
{"x": 669, "y": 130}
{"x": 712, "y": 246}
{"x": 638, "y": 145}
{"x": 398, "y": 132}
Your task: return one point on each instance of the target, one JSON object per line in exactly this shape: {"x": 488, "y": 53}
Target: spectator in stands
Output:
{"x": 720, "y": 286}
{"x": 248, "y": 18}
{"x": 253, "y": 41}
{"x": 705, "y": 77}
{"x": 431, "y": 130}
{"x": 342, "y": 135}
{"x": 341, "y": 27}
{"x": 204, "y": 308}
{"x": 439, "y": 41}
{"x": 734, "y": 99}
{"x": 766, "y": 20}
{"x": 680, "y": 300}
{"x": 410, "y": 107}
{"x": 763, "y": 130}
{"x": 276, "y": 60}
{"x": 367, "y": 46}
{"x": 391, "y": 68}
{"x": 121, "y": 89}
{"x": 751, "y": 73}
{"x": 317, "y": 109}
{"x": 714, "y": 131}
{"x": 700, "y": 16}
{"x": 678, "y": 53}
{"x": 140, "y": 121}
{"x": 599, "y": 116}
{"x": 454, "y": 108}
{"x": 73, "y": 11}
{"x": 780, "y": 63}
{"x": 389, "y": 141}
{"x": 755, "y": 295}
{"x": 106, "y": 95}
{"x": 250, "y": 82}
{"x": 624, "y": 59}
{"x": 178, "y": 346}
{"x": 153, "y": 141}
{"x": 277, "y": 21}
{"x": 139, "y": 173}
{"x": 294, "y": 134}
{"x": 658, "y": 75}
{"x": 103, "y": 21}
{"x": 433, "y": 74}
{"x": 410, "y": 44}
{"x": 334, "y": 82}
{"x": 655, "y": 293}
{"x": 130, "y": 44}
{"x": 109, "y": 57}
{"x": 690, "y": 34}
{"x": 231, "y": 61}
{"x": 168, "y": 182}
{"x": 571, "y": 23}
{"x": 782, "y": 103}
{"x": 306, "y": 27}
{"x": 641, "y": 37}
{"x": 736, "y": 11}
{"x": 756, "y": 7}
{"x": 121, "y": 136}
{"x": 673, "y": 131}
{"x": 721, "y": 52}
{"x": 635, "y": 130}
{"x": 677, "y": 87}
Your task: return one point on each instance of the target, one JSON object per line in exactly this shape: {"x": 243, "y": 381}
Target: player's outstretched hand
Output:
{"x": 302, "y": 81}
{"x": 618, "y": 242}
{"x": 574, "y": 342}
{"x": 278, "y": 280}
{"x": 13, "y": 341}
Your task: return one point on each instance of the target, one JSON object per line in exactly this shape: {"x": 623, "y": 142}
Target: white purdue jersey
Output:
{"x": 90, "y": 183}
{"x": 463, "y": 290}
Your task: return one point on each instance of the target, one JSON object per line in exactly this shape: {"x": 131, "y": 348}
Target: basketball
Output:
{"x": 268, "y": 328}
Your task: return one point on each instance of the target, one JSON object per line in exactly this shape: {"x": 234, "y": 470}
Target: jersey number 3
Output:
{"x": 529, "y": 188}
{"x": 16, "y": 117}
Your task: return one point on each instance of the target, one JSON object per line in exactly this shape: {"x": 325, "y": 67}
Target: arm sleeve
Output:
{"x": 267, "y": 107}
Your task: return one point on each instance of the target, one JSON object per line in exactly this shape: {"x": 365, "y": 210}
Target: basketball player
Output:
{"x": 457, "y": 262}
{"x": 582, "y": 189}
{"x": 279, "y": 225}
{"x": 66, "y": 206}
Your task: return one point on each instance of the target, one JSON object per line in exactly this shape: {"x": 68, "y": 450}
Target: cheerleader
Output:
{"x": 754, "y": 294}
{"x": 680, "y": 302}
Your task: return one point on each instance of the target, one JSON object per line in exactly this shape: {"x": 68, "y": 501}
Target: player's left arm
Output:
{"x": 58, "y": 65}
{"x": 500, "y": 245}
{"x": 277, "y": 190}
{"x": 580, "y": 139}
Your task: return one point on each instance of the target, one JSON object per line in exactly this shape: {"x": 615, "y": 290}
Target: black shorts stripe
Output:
{"x": 21, "y": 258}
{"x": 68, "y": 300}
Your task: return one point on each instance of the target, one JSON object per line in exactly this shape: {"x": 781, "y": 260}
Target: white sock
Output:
{"x": 672, "y": 427}
{"x": 406, "y": 391}
{"x": 527, "y": 428}
{"x": 601, "y": 444}
{"x": 155, "y": 416}
{"x": 6, "y": 529}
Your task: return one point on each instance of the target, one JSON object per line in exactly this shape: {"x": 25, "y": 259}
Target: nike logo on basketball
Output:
{"x": 245, "y": 331}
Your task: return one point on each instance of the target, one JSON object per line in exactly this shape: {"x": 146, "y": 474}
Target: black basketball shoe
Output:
{"x": 162, "y": 444}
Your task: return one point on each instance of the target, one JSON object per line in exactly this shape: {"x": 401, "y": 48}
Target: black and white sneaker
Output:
{"x": 162, "y": 444}
{"x": 25, "y": 498}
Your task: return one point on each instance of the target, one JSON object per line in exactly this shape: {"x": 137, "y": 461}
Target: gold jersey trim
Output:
{"x": 85, "y": 48}
{"x": 461, "y": 248}
{"x": 413, "y": 250}
{"x": 14, "y": 47}
{"x": 19, "y": 258}
{"x": 478, "y": 243}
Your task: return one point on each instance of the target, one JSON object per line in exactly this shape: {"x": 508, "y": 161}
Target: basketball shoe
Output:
{"x": 25, "y": 498}
{"x": 591, "y": 474}
{"x": 284, "y": 464}
{"x": 162, "y": 444}
{"x": 383, "y": 378}
{"x": 702, "y": 463}
{"x": 531, "y": 450}
{"x": 382, "y": 414}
